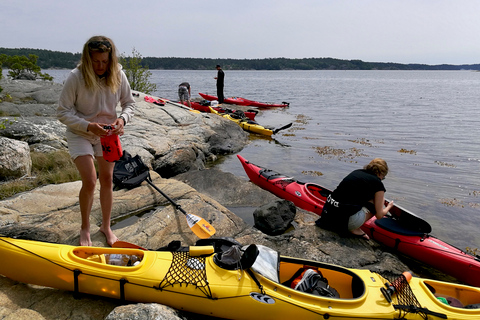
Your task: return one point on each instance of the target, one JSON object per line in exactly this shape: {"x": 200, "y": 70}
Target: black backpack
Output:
{"x": 129, "y": 172}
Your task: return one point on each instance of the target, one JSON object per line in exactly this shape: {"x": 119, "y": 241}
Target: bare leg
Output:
{"x": 86, "y": 168}
{"x": 359, "y": 231}
{"x": 105, "y": 169}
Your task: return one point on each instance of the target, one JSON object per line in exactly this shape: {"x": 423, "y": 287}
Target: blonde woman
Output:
{"x": 358, "y": 197}
{"x": 88, "y": 103}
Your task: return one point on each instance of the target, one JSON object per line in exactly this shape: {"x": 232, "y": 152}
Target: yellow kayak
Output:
{"x": 201, "y": 280}
{"x": 250, "y": 125}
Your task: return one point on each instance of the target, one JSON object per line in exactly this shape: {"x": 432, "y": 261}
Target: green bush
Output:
{"x": 21, "y": 65}
{"x": 137, "y": 76}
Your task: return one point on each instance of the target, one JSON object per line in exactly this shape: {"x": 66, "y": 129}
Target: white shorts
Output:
{"x": 358, "y": 219}
{"x": 81, "y": 146}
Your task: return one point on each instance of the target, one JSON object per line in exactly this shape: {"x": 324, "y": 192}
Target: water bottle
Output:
{"x": 117, "y": 259}
{"x": 124, "y": 260}
{"x": 111, "y": 147}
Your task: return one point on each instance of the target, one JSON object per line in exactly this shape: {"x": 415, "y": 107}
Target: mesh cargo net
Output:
{"x": 187, "y": 270}
{"x": 404, "y": 299}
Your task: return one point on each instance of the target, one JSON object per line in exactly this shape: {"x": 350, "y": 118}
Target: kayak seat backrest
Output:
{"x": 395, "y": 226}
{"x": 249, "y": 256}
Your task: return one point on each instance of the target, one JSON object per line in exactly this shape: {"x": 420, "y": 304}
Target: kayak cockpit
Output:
{"x": 453, "y": 295}
{"x": 341, "y": 283}
{"x": 317, "y": 192}
{"x": 329, "y": 281}
{"x": 107, "y": 256}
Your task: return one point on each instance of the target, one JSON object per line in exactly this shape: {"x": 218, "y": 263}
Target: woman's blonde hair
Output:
{"x": 112, "y": 76}
{"x": 378, "y": 166}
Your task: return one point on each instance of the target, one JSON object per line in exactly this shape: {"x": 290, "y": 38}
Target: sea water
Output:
{"x": 425, "y": 124}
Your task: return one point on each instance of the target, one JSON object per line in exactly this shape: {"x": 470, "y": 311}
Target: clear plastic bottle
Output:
{"x": 117, "y": 259}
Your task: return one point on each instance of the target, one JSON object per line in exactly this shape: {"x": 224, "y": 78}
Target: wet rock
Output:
{"x": 143, "y": 311}
{"x": 274, "y": 218}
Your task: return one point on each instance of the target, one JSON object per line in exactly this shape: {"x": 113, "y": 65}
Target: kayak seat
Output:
{"x": 395, "y": 226}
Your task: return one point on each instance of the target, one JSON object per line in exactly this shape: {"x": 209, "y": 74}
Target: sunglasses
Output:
{"x": 100, "y": 44}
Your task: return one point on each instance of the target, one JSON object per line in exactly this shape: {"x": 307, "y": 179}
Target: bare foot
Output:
{"x": 85, "y": 238}
{"x": 111, "y": 238}
{"x": 360, "y": 234}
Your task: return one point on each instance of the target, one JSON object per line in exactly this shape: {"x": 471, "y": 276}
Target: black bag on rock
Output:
{"x": 129, "y": 172}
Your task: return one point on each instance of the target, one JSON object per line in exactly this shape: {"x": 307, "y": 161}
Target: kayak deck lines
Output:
{"x": 207, "y": 278}
{"x": 187, "y": 270}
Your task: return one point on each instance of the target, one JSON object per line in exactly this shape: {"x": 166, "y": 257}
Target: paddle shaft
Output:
{"x": 177, "y": 206}
{"x": 176, "y": 104}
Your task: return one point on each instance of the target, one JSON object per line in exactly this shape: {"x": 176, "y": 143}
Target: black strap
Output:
{"x": 76, "y": 291}
{"x": 250, "y": 272}
{"x": 123, "y": 281}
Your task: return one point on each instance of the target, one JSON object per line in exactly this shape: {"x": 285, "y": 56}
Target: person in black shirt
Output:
{"x": 358, "y": 197}
{"x": 220, "y": 77}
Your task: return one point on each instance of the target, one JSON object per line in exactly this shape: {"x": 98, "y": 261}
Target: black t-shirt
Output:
{"x": 353, "y": 192}
{"x": 358, "y": 188}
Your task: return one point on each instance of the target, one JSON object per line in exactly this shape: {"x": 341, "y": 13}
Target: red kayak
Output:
{"x": 203, "y": 108}
{"x": 402, "y": 230}
{"x": 245, "y": 102}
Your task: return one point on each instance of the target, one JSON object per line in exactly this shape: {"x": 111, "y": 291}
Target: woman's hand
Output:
{"x": 379, "y": 201}
{"x": 389, "y": 206}
{"x": 119, "y": 127}
{"x": 98, "y": 129}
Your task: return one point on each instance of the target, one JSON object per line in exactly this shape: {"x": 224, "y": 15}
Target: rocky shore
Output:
{"x": 176, "y": 144}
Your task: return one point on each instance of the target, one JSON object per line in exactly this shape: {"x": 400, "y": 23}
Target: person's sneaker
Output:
{"x": 309, "y": 280}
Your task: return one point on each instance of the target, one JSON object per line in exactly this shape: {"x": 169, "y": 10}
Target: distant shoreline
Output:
{"x": 48, "y": 59}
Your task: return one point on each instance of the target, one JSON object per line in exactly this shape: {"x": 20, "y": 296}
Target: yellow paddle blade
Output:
{"x": 200, "y": 226}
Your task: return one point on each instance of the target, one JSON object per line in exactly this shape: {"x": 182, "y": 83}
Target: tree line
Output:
{"x": 48, "y": 59}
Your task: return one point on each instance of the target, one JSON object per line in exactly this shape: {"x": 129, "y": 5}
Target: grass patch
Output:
{"x": 47, "y": 168}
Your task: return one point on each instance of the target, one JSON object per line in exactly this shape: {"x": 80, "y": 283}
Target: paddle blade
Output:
{"x": 283, "y": 128}
{"x": 200, "y": 226}
{"x": 125, "y": 244}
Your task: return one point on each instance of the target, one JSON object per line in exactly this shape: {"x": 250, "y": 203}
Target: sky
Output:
{"x": 401, "y": 31}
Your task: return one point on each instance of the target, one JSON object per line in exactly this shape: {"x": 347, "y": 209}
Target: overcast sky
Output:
{"x": 403, "y": 31}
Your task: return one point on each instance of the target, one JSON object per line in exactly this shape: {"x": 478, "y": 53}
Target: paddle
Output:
{"x": 282, "y": 128}
{"x": 130, "y": 172}
{"x": 166, "y": 101}
{"x": 198, "y": 225}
